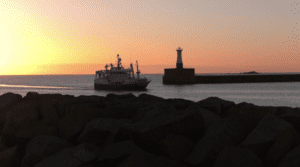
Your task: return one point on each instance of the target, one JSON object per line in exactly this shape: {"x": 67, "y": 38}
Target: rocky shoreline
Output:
{"x": 41, "y": 130}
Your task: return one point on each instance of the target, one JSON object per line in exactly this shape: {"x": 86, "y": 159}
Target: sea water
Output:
{"x": 262, "y": 94}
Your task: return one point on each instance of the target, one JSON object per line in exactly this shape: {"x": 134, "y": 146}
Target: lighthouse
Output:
{"x": 179, "y": 75}
{"x": 179, "y": 64}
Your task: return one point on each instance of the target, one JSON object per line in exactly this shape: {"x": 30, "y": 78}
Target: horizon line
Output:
{"x": 144, "y": 74}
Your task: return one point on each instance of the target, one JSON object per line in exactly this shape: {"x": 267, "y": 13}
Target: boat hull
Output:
{"x": 142, "y": 86}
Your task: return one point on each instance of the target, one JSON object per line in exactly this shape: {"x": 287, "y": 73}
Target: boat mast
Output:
{"x": 132, "y": 70}
{"x": 137, "y": 71}
{"x": 119, "y": 62}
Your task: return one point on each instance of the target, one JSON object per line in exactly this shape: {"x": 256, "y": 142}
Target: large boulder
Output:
{"x": 2, "y": 146}
{"x": 257, "y": 112}
{"x": 42, "y": 146}
{"x": 145, "y": 159}
{"x": 153, "y": 111}
{"x": 152, "y": 98}
{"x": 291, "y": 115}
{"x": 112, "y": 96}
{"x": 176, "y": 147}
{"x": 31, "y": 129}
{"x": 7, "y": 100}
{"x": 236, "y": 157}
{"x": 216, "y": 105}
{"x": 291, "y": 159}
{"x": 71, "y": 156}
{"x": 265, "y": 134}
{"x": 228, "y": 131}
{"x": 281, "y": 146}
{"x": 180, "y": 104}
{"x": 101, "y": 131}
{"x": 47, "y": 111}
{"x": 120, "y": 111}
{"x": 91, "y": 99}
{"x": 15, "y": 118}
{"x": 10, "y": 157}
{"x": 122, "y": 108}
{"x": 72, "y": 124}
{"x": 62, "y": 104}
{"x": 147, "y": 133}
{"x": 43, "y": 97}
{"x": 239, "y": 108}
{"x": 115, "y": 153}
{"x": 209, "y": 117}
{"x": 32, "y": 96}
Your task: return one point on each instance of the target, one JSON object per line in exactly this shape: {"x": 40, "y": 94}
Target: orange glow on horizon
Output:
{"x": 74, "y": 37}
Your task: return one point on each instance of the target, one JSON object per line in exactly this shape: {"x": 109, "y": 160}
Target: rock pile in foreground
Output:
{"x": 48, "y": 130}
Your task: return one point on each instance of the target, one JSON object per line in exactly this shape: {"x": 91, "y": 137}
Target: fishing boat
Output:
{"x": 119, "y": 78}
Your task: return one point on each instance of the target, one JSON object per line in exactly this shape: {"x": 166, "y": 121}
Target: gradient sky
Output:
{"x": 81, "y": 36}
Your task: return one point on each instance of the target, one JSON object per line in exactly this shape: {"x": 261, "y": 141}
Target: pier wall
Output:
{"x": 187, "y": 76}
{"x": 179, "y": 76}
{"x": 248, "y": 78}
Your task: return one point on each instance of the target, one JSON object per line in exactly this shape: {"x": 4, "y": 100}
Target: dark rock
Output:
{"x": 25, "y": 134}
{"x": 72, "y": 124}
{"x": 180, "y": 104}
{"x": 257, "y": 112}
{"x": 291, "y": 159}
{"x": 147, "y": 97}
{"x": 42, "y": 146}
{"x": 176, "y": 147}
{"x": 142, "y": 158}
{"x": 50, "y": 97}
{"x": 101, "y": 131}
{"x": 70, "y": 104}
{"x": 47, "y": 111}
{"x": 7, "y": 100}
{"x": 216, "y": 105}
{"x": 291, "y": 115}
{"x": 209, "y": 117}
{"x": 61, "y": 105}
{"x": 236, "y": 157}
{"x": 71, "y": 156}
{"x": 15, "y": 118}
{"x": 265, "y": 134}
{"x": 239, "y": 108}
{"x": 32, "y": 96}
{"x": 115, "y": 153}
{"x": 121, "y": 111}
{"x": 2, "y": 146}
{"x": 10, "y": 157}
{"x": 282, "y": 145}
{"x": 152, "y": 111}
{"x": 147, "y": 133}
{"x": 228, "y": 131}
{"x": 112, "y": 96}
{"x": 91, "y": 99}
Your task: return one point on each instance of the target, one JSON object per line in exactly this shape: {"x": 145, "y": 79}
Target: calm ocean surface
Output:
{"x": 262, "y": 94}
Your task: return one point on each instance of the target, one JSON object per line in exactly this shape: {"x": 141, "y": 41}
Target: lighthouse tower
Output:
{"x": 179, "y": 75}
{"x": 179, "y": 64}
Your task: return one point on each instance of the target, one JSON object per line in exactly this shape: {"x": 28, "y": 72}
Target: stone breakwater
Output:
{"x": 41, "y": 130}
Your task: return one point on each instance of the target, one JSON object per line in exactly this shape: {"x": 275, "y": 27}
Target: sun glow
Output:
{"x": 4, "y": 44}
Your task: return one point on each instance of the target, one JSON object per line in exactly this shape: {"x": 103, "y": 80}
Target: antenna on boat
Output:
{"x": 137, "y": 70}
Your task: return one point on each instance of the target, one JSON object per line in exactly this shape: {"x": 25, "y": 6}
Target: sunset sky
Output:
{"x": 81, "y": 36}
